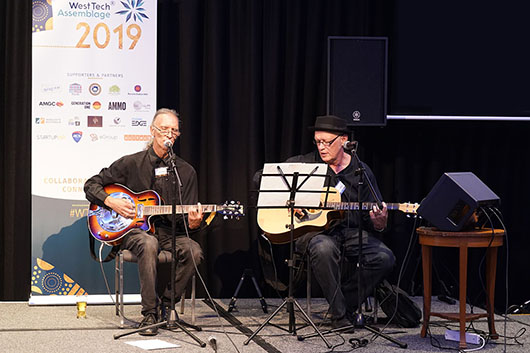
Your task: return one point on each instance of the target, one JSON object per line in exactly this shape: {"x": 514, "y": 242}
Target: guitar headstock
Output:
{"x": 231, "y": 209}
{"x": 409, "y": 207}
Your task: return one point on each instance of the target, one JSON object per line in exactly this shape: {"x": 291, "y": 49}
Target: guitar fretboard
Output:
{"x": 355, "y": 206}
{"x": 166, "y": 209}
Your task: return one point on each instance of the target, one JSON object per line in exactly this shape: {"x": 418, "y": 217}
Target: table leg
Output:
{"x": 426, "y": 255}
{"x": 462, "y": 296}
{"x": 491, "y": 268}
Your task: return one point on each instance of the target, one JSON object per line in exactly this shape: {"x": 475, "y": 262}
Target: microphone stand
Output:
{"x": 359, "y": 319}
{"x": 171, "y": 321}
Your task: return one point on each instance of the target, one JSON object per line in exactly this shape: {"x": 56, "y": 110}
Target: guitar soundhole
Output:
{"x": 110, "y": 220}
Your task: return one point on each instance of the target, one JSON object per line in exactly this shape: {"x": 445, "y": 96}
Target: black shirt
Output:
{"x": 350, "y": 181}
{"x": 137, "y": 172}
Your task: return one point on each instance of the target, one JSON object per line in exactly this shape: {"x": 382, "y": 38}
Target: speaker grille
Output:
{"x": 357, "y": 79}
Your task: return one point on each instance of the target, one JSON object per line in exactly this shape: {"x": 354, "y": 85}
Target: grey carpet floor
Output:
{"x": 25, "y": 328}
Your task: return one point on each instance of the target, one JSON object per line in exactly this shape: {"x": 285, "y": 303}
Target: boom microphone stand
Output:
{"x": 172, "y": 321}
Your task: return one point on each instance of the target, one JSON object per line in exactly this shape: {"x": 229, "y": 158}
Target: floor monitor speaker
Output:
{"x": 452, "y": 202}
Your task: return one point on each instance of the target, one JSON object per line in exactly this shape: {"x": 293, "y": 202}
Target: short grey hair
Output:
{"x": 157, "y": 113}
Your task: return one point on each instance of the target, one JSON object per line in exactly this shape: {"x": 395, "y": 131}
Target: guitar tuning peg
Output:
{"x": 225, "y": 217}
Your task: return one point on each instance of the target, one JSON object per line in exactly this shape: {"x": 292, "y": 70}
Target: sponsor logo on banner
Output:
{"x": 41, "y": 121}
{"x": 136, "y": 137}
{"x": 114, "y": 90}
{"x": 77, "y": 135}
{"x": 94, "y": 89}
{"x": 94, "y": 121}
{"x": 50, "y": 137}
{"x": 86, "y": 105}
{"x": 51, "y": 104}
{"x": 42, "y": 16}
{"x": 74, "y": 121}
{"x": 99, "y": 137}
{"x": 117, "y": 106}
{"x": 138, "y": 122}
{"x": 137, "y": 91}
{"x": 51, "y": 88}
{"x": 75, "y": 89}
{"x": 140, "y": 107}
{"x": 117, "y": 122}
{"x": 96, "y": 105}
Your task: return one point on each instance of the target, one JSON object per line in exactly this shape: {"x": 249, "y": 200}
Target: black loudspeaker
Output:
{"x": 453, "y": 200}
{"x": 357, "y": 79}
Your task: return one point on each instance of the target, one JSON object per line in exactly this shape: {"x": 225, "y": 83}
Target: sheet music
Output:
{"x": 276, "y": 182}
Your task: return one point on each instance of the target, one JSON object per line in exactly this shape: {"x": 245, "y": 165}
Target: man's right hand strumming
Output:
{"x": 123, "y": 206}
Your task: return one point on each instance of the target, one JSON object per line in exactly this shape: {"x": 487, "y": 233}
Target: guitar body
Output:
{"x": 108, "y": 226}
{"x": 275, "y": 221}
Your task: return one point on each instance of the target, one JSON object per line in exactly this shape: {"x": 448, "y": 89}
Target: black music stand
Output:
{"x": 290, "y": 195}
{"x": 172, "y": 322}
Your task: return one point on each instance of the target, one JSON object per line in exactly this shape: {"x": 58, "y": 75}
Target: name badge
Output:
{"x": 340, "y": 187}
{"x": 160, "y": 172}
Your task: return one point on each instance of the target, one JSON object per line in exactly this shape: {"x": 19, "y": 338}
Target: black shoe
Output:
{"x": 149, "y": 319}
{"x": 341, "y": 323}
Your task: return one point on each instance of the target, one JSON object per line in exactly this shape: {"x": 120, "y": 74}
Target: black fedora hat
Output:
{"x": 330, "y": 123}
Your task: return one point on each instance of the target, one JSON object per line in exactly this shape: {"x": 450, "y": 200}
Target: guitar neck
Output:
{"x": 366, "y": 206}
{"x": 166, "y": 209}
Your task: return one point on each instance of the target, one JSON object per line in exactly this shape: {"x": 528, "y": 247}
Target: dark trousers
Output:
{"x": 326, "y": 253}
{"x": 146, "y": 248}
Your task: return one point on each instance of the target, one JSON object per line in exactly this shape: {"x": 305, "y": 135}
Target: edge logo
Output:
{"x": 77, "y": 135}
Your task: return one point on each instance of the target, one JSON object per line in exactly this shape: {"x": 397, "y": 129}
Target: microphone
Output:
{"x": 213, "y": 343}
{"x": 168, "y": 143}
{"x": 350, "y": 146}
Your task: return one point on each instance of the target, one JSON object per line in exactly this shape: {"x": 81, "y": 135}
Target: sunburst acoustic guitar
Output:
{"x": 108, "y": 226}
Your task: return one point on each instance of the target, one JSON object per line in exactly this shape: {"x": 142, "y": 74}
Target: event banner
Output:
{"x": 93, "y": 98}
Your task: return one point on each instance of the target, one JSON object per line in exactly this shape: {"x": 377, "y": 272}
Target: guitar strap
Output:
{"x": 110, "y": 256}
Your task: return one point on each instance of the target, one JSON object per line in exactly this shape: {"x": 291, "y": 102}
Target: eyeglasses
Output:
{"x": 326, "y": 143}
{"x": 167, "y": 130}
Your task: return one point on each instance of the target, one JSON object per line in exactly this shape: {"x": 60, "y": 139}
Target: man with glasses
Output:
{"x": 339, "y": 243}
{"x": 150, "y": 170}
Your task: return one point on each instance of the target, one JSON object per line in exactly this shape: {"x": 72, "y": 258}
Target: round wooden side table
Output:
{"x": 478, "y": 238}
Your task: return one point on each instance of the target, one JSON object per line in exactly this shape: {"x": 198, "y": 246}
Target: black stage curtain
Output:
{"x": 248, "y": 77}
{"x": 15, "y": 160}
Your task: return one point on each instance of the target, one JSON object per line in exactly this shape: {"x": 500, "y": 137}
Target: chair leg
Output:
{"x": 193, "y": 300}
{"x": 119, "y": 296}
{"x": 375, "y": 307}
{"x": 116, "y": 284}
{"x": 182, "y": 302}
{"x": 192, "y": 297}
{"x": 308, "y": 287}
